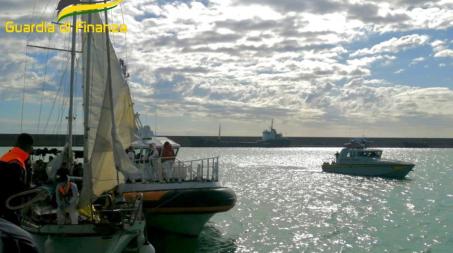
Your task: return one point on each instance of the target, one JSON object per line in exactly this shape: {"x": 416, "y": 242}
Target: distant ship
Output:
{"x": 271, "y": 138}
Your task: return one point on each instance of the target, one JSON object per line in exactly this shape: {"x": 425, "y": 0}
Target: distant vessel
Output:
{"x": 271, "y": 138}
{"x": 356, "y": 159}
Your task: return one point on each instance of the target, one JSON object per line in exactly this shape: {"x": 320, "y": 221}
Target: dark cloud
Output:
{"x": 248, "y": 25}
{"x": 319, "y": 6}
{"x": 172, "y": 70}
{"x": 365, "y": 12}
{"x": 204, "y": 38}
{"x": 369, "y": 13}
{"x": 164, "y": 2}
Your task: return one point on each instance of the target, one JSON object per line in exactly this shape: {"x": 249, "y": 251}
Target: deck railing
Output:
{"x": 169, "y": 169}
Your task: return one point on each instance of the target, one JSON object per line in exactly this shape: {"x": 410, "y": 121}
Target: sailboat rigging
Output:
{"x": 107, "y": 128}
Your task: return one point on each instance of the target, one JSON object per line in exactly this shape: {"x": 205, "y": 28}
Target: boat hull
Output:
{"x": 89, "y": 238}
{"x": 386, "y": 170}
{"x": 183, "y": 210}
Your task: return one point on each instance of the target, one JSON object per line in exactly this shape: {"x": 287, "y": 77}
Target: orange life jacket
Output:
{"x": 15, "y": 154}
{"x": 65, "y": 189}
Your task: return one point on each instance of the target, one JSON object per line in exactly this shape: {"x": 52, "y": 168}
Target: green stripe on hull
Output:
{"x": 186, "y": 224}
{"x": 396, "y": 171}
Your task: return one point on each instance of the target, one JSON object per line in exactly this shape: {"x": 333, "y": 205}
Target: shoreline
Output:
{"x": 44, "y": 140}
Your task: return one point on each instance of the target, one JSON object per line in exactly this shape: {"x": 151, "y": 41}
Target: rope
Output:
{"x": 25, "y": 73}
{"x": 41, "y": 195}
{"x": 42, "y": 88}
{"x": 125, "y": 34}
{"x": 23, "y": 89}
{"x": 57, "y": 93}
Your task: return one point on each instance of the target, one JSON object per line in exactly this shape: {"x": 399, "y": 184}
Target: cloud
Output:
{"x": 378, "y": 100}
{"x": 321, "y": 6}
{"x": 305, "y": 63}
{"x": 394, "y": 45}
{"x": 370, "y": 13}
{"x": 417, "y": 60}
{"x": 440, "y": 49}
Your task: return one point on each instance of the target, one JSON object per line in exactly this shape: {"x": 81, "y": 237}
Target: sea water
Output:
{"x": 285, "y": 203}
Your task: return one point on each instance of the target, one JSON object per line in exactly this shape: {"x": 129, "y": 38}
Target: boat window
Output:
{"x": 370, "y": 154}
{"x": 140, "y": 154}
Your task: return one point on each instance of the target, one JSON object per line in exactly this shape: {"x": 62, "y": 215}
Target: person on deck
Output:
{"x": 155, "y": 162}
{"x": 130, "y": 153}
{"x": 14, "y": 166}
{"x": 67, "y": 196}
{"x": 168, "y": 159}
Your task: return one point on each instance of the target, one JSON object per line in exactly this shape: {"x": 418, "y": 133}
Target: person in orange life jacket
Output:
{"x": 15, "y": 174}
{"x": 67, "y": 196}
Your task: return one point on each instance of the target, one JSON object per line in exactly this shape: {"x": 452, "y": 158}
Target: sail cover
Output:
{"x": 108, "y": 162}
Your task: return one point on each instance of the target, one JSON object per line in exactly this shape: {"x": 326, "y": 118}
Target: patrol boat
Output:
{"x": 356, "y": 159}
{"x": 111, "y": 224}
{"x": 178, "y": 196}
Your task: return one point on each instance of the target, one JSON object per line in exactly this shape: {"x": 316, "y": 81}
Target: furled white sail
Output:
{"x": 108, "y": 163}
{"x": 54, "y": 165}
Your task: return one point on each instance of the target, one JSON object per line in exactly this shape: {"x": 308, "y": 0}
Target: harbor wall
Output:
{"x": 7, "y": 140}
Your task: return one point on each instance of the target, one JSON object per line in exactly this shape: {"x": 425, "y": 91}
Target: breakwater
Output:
{"x": 7, "y": 140}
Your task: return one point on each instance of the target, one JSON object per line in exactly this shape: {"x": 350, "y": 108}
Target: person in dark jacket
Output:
{"x": 13, "y": 174}
{"x": 15, "y": 239}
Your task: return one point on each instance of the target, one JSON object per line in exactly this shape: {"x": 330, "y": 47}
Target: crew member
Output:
{"x": 13, "y": 173}
{"x": 168, "y": 159}
{"x": 154, "y": 161}
{"x": 130, "y": 153}
{"x": 67, "y": 196}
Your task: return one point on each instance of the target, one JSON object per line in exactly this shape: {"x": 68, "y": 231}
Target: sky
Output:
{"x": 318, "y": 68}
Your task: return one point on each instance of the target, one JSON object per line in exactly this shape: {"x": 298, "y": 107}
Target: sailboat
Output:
{"x": 116, "y": 225}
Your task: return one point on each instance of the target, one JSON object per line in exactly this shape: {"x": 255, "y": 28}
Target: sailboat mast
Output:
{"x": 86, "y": 103}
{"x": 71, "y": 93}
{"x": 109, "y": 84}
